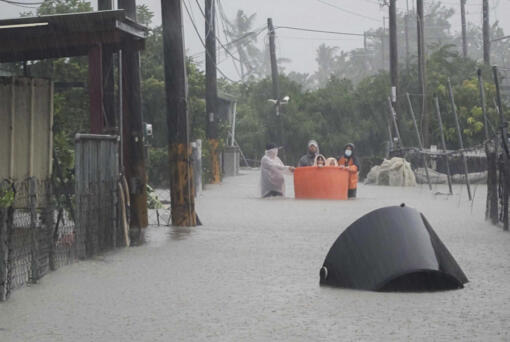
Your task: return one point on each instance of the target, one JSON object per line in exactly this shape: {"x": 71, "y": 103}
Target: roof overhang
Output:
{"x": 68, "y": 35}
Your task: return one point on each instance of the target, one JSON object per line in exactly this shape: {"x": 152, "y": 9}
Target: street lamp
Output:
{"x": 278, "y": 103}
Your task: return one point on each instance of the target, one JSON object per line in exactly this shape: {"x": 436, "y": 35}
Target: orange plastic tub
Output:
{"x": 328, "y": 182}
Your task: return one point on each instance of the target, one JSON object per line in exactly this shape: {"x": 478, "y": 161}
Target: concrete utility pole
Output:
{"x": 179, "y": 148}
{"x": 108, "y": 75}
{"x": 275, "y": 77}
{"x": 486, "y": 33}
{"x": 421, "y": 72}
{"x": 463, "y": 23}
{"x": 134, "y": 159}
{"x": 393, "y": 53}
{"x": 211, "y": 87}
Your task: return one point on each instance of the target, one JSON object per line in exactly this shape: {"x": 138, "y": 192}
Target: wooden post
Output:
{"x": 483, "y": 104}
{"x": 211, "y": 88}
{"x": 440, "y": 121}
{"x": 3, "y": 254}
{"x": 486, "y": 33}
{"x": 491, "y": 209}
{"x": 383, "y": 45}
{"x": 179, "y": 151}
{"x": 34, "y": 232}
{"x": 133, "y": 137}
{"x": 505, "y": 153}
{"x": 275, "y": 78}
{"x": 421, "y": 73}
{"x": 461, "y": 142}
{"x": 395, "y": 124}
{"x": 95, "y": 85}
{"x": 463, "y": 24}
{"x": 393, "y": 54}
{"x": 406, "y": 18}
{"x": 108, "y": 76}
{"x": 420, "y": 144}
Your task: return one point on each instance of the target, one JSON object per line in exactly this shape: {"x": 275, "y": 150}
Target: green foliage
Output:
{"x": 6, "y": 197}
{"x": 153, "y": 201}
{"x": 157, "y": 167}
{"x": 63, "y": 6}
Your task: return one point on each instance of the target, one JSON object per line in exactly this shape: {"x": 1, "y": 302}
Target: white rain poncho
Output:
{"x": 272, "y": 173}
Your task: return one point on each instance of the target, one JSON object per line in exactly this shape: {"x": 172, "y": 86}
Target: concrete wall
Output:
{"x": 26, "y": 122}
{"x": 231, "y": 161}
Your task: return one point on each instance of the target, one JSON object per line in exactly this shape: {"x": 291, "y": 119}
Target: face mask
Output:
{"x": 348, "y": 153}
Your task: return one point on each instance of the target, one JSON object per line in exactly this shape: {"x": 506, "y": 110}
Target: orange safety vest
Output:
{"x": 353, "y": 171}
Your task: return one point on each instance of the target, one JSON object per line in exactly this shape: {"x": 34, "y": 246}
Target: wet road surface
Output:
{"x": 250, "y": 273}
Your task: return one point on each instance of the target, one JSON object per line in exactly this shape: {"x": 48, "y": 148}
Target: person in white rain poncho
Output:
{"x": 272, "y": 170}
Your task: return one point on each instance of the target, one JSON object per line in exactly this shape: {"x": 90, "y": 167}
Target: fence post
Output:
{"x": 50, "y": 223}
{"x": 492, "y": 182}
{"x": 461, "y": 143}
{"x": 440, "y": 121}
{"x": 34, "y": 234}
{"x": 3, "y": 254}
{"x": 420, "y": 144}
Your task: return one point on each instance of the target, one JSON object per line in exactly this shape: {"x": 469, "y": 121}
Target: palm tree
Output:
{"x": 326, "y": 61}
{"x": 240, "y": 32}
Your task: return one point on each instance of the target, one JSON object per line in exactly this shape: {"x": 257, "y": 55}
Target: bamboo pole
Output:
{"x": 461, "y": 142}
{"x": 411, "y": 110}
{"x": 448, "y": 174}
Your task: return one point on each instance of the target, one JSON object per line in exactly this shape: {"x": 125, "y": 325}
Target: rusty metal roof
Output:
{"x": 67, "y": 35}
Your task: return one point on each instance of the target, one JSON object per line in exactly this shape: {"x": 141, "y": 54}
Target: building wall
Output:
{"x": 26, "y": 121}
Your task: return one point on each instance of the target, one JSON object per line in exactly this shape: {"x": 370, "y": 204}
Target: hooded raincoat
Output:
{"x": 272, "y": 173}
{"x": 352, "y": 165}
{"x": 309, "y": 158}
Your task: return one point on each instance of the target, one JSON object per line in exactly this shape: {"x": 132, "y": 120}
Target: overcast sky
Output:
{"x": 353, "y": 16}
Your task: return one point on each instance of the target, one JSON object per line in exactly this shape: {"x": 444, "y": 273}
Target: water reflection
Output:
{"x": 156, "y": 236}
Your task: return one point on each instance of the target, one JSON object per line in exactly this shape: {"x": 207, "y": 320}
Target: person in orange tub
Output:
{"x": 349, "y": 161}
{"x": 331, "y": 162}
{"x": 320, "y": 161}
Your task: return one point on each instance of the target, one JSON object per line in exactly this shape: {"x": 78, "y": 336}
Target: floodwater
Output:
{"x": 251, "y": 273}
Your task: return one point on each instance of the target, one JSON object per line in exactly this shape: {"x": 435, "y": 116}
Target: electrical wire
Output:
{"x": 203, "y": 43}
{"x": 319, "y": 31}
{"x": 348, "y": 11}
{"x": 22, "y": 4}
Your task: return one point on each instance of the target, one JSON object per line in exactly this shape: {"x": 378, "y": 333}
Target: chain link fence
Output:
{"x": 40, "y": 230}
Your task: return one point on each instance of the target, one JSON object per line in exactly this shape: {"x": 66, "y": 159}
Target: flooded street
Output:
{"x": 251, "y": 273}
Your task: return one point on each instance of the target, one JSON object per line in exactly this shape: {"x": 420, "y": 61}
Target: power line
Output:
{"x": 202, "y": 41}
{"x": 348, "y": 11}
{"x": 31, "y": 5}
{"x": 223, "y": 25}
{"x": 243, "y": 37}
{"x": 22, "y": 3}
{"x": 319, "y": 31}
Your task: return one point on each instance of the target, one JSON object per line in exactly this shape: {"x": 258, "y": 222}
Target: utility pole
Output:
{"x": 393, "y": 53}
{"x": 383, "y": 45}
{"x": 211, "y": 87}
{"x": 133, "y": 137}
{"x": 274, "y": 76}
{"x": 176, "y": 85}
{"x": 406, "y": 18}
{"x": 463, "y": 22}
{"x": 108, "y": 76}
{"x": 421, "y": 72}
{"x": 486, "y": 34}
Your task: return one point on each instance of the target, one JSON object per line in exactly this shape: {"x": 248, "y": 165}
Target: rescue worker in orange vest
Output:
{"x": 349, "y": 161}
